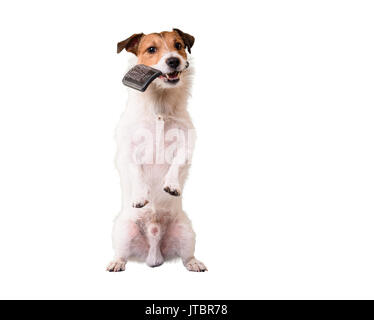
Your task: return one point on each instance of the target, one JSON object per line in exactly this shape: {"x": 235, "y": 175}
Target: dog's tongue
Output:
{"x": 173, "y": 75}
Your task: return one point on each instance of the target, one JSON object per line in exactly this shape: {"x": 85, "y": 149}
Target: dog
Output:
{"x": 155, "y": 139}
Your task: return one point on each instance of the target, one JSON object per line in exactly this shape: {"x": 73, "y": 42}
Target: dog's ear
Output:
{"x": 187, "y": 39}
{"x": 130, "y": 44}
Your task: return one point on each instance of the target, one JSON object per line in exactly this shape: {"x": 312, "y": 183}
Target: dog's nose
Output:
{"x": 173, "y": 62}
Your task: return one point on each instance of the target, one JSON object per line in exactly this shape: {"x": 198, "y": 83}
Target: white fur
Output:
{"x": 160, "y": 230}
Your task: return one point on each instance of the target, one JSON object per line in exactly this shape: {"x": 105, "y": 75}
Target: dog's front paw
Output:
{"x": 140, "y": 203}
{"x": 116, "y": 266}
{"x": 172, "y": 189}
{"x": 140, "y": 197}
{"x": 195, "y": 266}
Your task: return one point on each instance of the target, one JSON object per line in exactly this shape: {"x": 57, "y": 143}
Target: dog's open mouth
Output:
{"x": 172, "y": 77}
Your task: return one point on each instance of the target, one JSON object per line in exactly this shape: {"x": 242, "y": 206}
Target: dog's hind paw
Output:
{"x": 195, "y": 266}
{"x": 172, "y": 190}
{"x": 116, "y": 266}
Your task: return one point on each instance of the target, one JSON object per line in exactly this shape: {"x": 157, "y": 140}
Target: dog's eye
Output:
{"x": 178, "y": 45}
{"x": 151, "y": 49}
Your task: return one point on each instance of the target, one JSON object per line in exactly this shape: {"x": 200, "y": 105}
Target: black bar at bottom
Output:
{"x": 189, "y": 309}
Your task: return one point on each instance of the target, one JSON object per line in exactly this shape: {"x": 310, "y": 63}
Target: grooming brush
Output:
{"x": 140, "y": 77}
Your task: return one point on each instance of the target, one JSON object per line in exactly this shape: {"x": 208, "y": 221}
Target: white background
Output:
{"x": 281, "y": 187}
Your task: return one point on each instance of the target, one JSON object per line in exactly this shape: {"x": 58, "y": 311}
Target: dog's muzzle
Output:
{"x": 173, "y": 77}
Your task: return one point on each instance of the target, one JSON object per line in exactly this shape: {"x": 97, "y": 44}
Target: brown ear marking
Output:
{"x": 130, "y": 44}
{"x": 187, "y": 39}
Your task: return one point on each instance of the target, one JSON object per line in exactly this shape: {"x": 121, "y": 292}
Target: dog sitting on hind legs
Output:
{"x": 155, "y": 142}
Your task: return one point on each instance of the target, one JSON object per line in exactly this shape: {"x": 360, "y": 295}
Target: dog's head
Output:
{"x": 165, "y": 51}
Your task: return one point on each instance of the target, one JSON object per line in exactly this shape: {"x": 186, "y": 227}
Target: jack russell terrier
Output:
{"x": 155, "y": 138}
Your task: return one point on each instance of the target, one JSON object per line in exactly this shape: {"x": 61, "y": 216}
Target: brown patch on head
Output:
{"x": 188, "y": 40}
{"x": 130, "y": 44}
{"x": 151, "y": 47}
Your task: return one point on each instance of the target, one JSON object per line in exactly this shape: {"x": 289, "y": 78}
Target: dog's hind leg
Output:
{"x": 127, "y": 242}
{"x": 179, "y": 241}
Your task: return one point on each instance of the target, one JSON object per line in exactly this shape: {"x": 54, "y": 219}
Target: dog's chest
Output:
{"x": 157, "y": 141}
{"x": 163, "y": 126}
